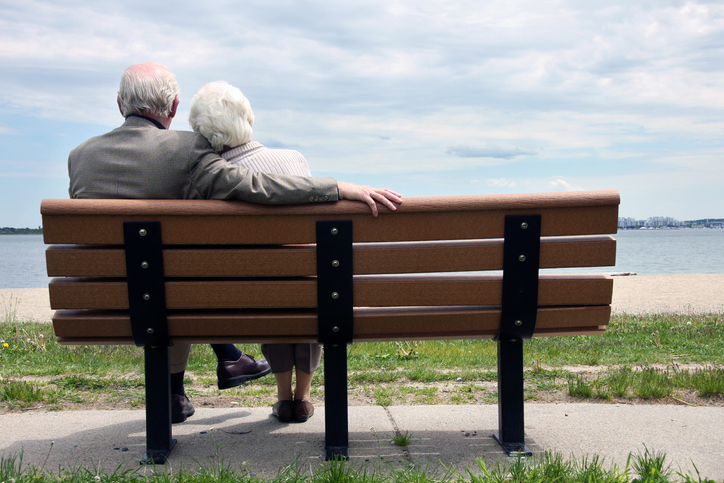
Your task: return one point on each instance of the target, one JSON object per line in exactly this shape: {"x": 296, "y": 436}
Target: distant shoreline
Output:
{"x": 665, "y": 228}
{"x": 31, "y": 231}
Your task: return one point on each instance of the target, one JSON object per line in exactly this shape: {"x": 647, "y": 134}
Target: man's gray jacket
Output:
{"x": 139, "y": 160}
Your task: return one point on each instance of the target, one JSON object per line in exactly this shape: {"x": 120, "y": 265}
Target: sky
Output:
{"x": 426, "y": 97}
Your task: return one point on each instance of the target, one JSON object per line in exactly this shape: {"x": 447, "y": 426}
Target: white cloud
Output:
{"x": 84, "y": 34}
{"x": 32, "y": 169}
{"x": 500, "y": 183}
{"x": 561, "y": 184}
{"x": 489, "y": 151}
{"x": 7, "y": 130}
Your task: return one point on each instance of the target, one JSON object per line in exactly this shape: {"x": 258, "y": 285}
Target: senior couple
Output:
{"x": 144, "y": 159}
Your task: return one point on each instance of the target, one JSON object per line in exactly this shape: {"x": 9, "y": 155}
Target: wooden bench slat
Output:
{"x": 369, "y": 291}
{"x": 217, "y": 222}
{"x": 272, "y": 230}
{"x": 294, "y": 261}
{"x": 413, "y": 323}
{"x": 425, "y": 204}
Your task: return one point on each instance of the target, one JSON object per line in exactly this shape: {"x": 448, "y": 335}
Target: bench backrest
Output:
{"x": 247, "y": 273}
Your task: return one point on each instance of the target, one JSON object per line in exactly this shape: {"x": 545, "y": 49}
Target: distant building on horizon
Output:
{"x": 661, "y": 221}
{"x": 629, "y": 223}
{"x": 652, "y": 222}
{"x": 655, "y": 222}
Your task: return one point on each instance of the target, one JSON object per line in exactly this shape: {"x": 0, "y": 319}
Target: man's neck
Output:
{"x": 160, "y": 122}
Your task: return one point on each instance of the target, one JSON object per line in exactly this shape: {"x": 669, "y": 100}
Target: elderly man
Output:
{"x": 144, "y": 159}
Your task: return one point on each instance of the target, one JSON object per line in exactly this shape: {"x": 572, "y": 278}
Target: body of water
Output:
{"x": 22, "y": 261}
{"x": 645, "y": 252}
{"x": 668, "y": 252}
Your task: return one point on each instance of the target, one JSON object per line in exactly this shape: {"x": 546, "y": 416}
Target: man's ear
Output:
{"x": 118, "y": 100}
{"x": 175, "y": 106}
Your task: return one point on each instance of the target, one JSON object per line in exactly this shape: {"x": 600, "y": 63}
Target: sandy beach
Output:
{"x": 692, "y": 294}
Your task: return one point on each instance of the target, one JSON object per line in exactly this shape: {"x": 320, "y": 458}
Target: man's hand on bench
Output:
{"x": 366, "y": 194}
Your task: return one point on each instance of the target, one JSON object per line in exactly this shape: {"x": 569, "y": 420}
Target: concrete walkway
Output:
{"x": 453, "y": 435}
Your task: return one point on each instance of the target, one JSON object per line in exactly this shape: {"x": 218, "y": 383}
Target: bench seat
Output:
{"x": 437, "y": 268}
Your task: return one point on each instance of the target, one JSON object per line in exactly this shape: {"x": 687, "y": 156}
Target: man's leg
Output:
{"x": 181, "y": 407}
{"x": 235, "y": 368}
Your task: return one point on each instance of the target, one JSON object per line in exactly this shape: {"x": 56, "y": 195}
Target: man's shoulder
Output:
{"x": 149, "y": 137}
{"x": 190, "y": 136}
{"x": 91, "y": 143}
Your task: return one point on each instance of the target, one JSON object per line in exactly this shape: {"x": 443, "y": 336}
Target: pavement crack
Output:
{"x": 404, "y": 449}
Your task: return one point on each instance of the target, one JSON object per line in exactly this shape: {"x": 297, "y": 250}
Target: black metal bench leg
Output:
{"x": 159, "y": 442}
{"x": 511, "y": 420}
{"x": 335, "y": 402}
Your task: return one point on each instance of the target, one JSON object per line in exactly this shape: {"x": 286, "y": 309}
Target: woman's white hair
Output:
{"x": 149, "y": 88}
{"x": 222, "y": 114}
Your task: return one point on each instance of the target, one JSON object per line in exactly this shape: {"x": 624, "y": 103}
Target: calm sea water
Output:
{"x": 22, "y": 261}
{"x": 646, "y": 252}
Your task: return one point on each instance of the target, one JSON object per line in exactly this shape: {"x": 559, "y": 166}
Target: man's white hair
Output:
{"x": 149, "y": 88}
{"x": 222, "y": 114}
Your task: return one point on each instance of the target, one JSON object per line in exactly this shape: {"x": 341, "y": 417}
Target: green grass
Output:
{"x": 657, "y": 339}
{"x": 579, "y": 387}
{"x": 35, "y": 370}
{"x": 402, "y": 440}
{"x": 21, "y": 393}
{"x": 648, "y": 383}
{"x": 640, "y": 340}
{"x": 709, "y": 383}
{"x": 649, "y": 467}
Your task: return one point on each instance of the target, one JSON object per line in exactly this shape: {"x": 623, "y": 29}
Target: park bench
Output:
{"x": 151, "y": 272}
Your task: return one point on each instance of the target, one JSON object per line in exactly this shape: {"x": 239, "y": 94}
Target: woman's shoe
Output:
{"x": 303, "y": 410}
{"x": 284, "y": 410}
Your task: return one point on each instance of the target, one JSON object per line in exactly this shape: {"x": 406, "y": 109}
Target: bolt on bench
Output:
{"x": 154, "y": 272}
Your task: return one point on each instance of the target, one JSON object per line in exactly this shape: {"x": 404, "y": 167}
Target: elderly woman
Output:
{"x": 222, "y": 114}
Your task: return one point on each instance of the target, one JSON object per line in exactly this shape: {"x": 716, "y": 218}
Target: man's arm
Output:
{"x": 213, "y": 177}
{"x": 216, "y": 178}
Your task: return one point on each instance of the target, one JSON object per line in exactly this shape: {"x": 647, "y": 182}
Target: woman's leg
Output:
{"x": 281, "y": 360}
{"x": 303, "y": 385}
{"x": 284, "y": 386}
{"x": 306, "y": 360}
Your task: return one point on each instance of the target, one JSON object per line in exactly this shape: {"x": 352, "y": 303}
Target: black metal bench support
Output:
{"x": 147, "y": 307}
{"x": 159, "y": 441}
{"x": 336, "y": 419}
{"x": 521, "y": 261}
{"x": 335, "y": 314}
{"x": 511, "y": 430}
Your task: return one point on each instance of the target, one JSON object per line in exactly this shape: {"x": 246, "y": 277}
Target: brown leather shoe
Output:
{"x": 236, "y": 373}
{"x": 181, "y": 408}
{"x": 283, "y": 410}
{"x": 303, "y": 410}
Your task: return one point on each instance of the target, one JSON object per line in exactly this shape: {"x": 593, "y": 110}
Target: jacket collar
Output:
{"x": 150, "y": 119}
